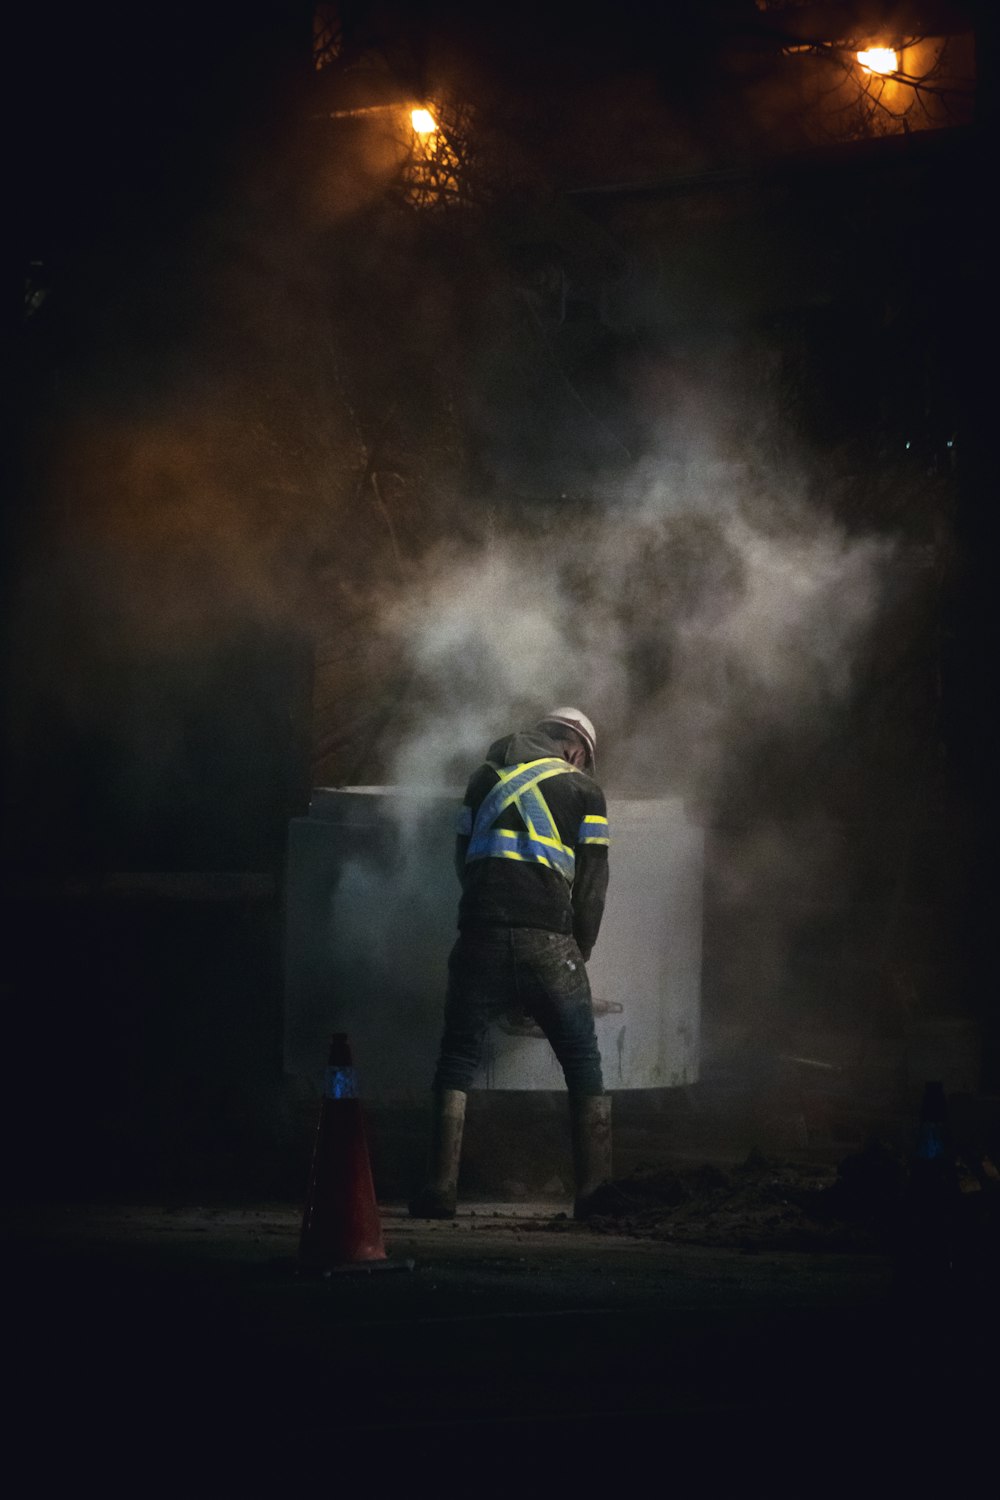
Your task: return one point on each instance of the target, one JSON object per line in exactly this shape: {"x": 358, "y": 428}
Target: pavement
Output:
{"x": 161, "y": 1344}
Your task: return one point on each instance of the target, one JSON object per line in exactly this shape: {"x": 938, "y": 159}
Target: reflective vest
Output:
{"x": 539, "y": 841}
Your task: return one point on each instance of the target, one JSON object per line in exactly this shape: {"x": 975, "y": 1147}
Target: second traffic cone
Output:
{"x": 340, "y": 1225}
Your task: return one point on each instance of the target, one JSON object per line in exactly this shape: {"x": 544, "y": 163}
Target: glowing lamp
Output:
{"x": 423, "y": 121}
{"x": 879, "y": 60}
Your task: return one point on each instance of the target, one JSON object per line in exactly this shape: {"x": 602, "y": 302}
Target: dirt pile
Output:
{"x": 761, "y": 1204}
{"x": 873, "y": 1201}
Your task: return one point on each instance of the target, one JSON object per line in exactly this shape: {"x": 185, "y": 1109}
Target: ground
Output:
{"x": 176, "y": 1344}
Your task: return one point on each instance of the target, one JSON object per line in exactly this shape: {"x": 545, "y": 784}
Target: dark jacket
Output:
{"x": 511, "y": 892}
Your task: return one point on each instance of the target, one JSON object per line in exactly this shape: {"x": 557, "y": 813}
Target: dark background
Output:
{"x": 226, "y": 288}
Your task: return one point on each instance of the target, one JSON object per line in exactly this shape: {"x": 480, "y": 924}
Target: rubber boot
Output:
{"x": 590, "y": 1122}
{"x": 436, "y": 1200}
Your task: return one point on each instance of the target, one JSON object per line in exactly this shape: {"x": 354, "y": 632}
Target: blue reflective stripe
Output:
{"x": 535, "y": 812}
{"x": 510, "y": 843}
{"x": 505, "y": 843}
{"x": 594, "y": 830}
{"x": 340, "y": 1083}
{"x": 463, "y": 826}
{"x": 542, "y": 827}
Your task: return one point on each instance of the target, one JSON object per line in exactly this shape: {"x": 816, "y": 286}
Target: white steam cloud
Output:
{"x": 699, "y": 616}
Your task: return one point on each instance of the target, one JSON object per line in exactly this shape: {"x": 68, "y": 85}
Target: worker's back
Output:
{"x": 512, "y": 874}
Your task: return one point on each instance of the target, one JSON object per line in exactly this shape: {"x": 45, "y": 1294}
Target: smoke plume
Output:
{"x": 693, "y": 621}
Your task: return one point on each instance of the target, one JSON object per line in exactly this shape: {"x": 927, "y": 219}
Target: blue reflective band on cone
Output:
{"x": 340, "y": 1083}
{"x": 930, "y": 1143}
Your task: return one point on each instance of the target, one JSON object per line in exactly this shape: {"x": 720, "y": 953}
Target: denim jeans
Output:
{"x": 494, "y": 970}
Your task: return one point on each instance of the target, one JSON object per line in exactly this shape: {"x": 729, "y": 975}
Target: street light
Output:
{"x": 422, "y": 120}
{"x": 879, "y": 60}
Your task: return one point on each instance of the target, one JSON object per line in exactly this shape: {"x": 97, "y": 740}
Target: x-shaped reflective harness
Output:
{"x": 540, "y": 843}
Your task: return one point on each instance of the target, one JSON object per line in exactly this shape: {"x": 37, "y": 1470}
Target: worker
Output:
{"x": 532, "y": 856}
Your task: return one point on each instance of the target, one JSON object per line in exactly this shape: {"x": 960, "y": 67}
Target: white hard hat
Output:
{"x": 572, "y": 718}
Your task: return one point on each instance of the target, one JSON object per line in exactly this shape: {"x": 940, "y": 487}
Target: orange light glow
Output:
{"x": 423, "y": 121}
{"x": 879, "y": 60}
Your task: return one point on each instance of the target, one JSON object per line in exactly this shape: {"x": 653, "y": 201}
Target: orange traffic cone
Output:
{"x": 340, "y": 1225}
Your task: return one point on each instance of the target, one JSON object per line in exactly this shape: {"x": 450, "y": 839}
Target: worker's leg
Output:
{"x": 590, "y": 1124}
{"x": 475, "y": 976}
{"x": 478, "y": 967}
{"x": 437, "y": 1198}
{"x": 553, "y": 984}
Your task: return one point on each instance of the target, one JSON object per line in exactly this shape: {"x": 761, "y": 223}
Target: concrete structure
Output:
{"x": 370, "y": 917}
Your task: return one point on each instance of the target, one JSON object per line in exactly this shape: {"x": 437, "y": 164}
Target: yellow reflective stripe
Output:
{"x": 526, "y": 859}
{"x": 513, "y": 833}
{"x": 507, "y": 773}
{"x": 552, "y": 843}
{"x": 550, "y": 767}
{"x": 551, "y": 762}
{"x": 594, "y": 830}
{"x": 529, "y": 801}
